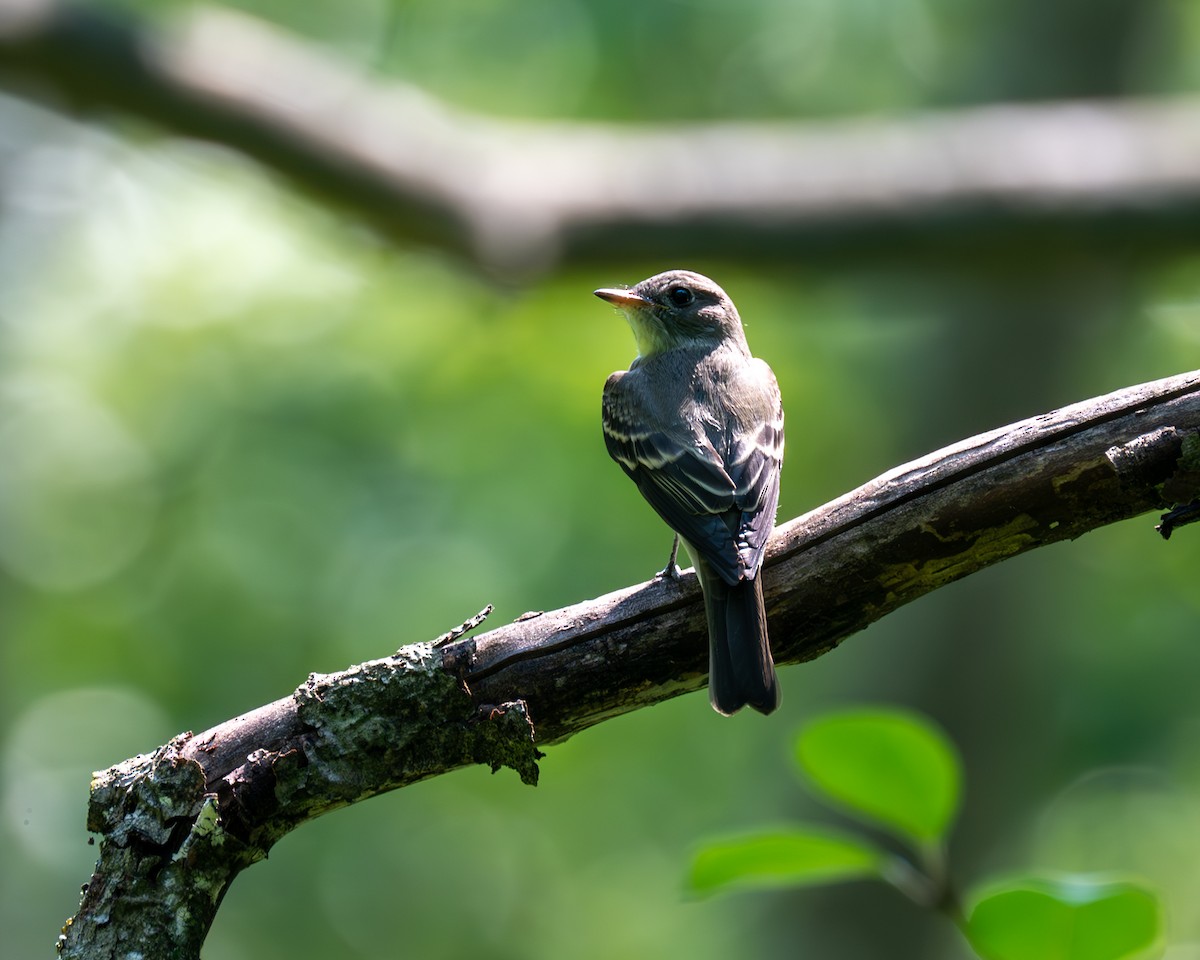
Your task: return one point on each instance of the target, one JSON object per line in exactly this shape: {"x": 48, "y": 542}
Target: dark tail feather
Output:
{"x": 740, "y": 668}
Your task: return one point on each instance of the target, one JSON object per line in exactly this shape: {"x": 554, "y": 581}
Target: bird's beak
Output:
{"x": 621, "y": 298}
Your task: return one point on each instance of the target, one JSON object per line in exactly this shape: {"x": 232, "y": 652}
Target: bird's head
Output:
{"x": 674, "y": 309}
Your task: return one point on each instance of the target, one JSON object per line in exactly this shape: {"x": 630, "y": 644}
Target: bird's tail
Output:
{"x": 740, "y": 668}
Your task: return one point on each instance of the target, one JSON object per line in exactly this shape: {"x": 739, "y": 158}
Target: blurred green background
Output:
{"x": 242, "y": 439}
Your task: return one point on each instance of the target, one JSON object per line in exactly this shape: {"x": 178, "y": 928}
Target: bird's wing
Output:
{"x": 683, "y": 478}
{"x": 753, "y": 464}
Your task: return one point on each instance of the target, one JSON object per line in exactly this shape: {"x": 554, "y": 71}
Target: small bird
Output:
{"x": 697, "y": 423}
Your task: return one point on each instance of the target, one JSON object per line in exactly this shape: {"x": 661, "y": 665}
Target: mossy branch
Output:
{"x": 177, "y": 826}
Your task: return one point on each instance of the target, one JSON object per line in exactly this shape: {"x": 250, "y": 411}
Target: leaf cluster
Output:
{"x": 899, "y": 775}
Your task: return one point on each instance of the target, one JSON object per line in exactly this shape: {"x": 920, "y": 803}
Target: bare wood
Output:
{"x": 836, "y": 570}
{"x": 177, "y": 826}
{"x": 516, "y": 198}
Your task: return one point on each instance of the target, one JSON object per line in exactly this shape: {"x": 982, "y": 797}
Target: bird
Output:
{"x": 697, "y": 423}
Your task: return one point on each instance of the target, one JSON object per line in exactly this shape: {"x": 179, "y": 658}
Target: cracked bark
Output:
{"x": 178, "y": 825}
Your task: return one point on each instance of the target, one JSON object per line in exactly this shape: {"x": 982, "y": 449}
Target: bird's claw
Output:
{"x": 670, "y": 572}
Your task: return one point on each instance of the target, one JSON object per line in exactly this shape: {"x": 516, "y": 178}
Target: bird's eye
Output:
{"x": 680, "y": 296}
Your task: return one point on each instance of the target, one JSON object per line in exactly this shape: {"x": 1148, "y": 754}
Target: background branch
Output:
{"x": 179, "y": 825}
{"x": 518, "y": 197}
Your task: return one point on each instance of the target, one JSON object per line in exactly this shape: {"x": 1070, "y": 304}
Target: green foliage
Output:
{"x": 897, "y": 769}
{"x": 794, "y": 857}
{"x": 1066, "y": 919}
{"x": 241, "y": 440}
{"x": 894, "y": 768}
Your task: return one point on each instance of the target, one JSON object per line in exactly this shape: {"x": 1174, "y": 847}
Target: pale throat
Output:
{"x": 651, "y": 337}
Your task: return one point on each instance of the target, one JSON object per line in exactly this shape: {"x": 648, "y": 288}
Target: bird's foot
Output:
{"x": 671, "y": 571}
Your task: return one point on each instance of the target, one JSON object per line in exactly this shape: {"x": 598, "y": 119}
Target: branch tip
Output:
{"x": 1180, "y": 516}
{"x": 463, "y": 628}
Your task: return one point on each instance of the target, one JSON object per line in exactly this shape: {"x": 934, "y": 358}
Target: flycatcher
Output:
{"x": 697, "y": 423}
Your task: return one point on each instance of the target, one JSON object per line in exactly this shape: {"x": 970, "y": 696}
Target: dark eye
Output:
{"x": 680, "y": 296}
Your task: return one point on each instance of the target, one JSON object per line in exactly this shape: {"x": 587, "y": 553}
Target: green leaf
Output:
{"x": 1067, "y": 919}
{"x": 786, "y": 858}
{"x": 892, "y": 767}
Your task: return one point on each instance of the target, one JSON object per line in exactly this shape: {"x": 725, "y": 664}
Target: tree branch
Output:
{"x": 177, "y": 826}
{"x": 518, "y": 197}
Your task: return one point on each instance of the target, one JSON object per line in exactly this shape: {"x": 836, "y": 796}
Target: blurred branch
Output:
{"x": 518, "y": 197}
{"x": 177, "y": 826}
